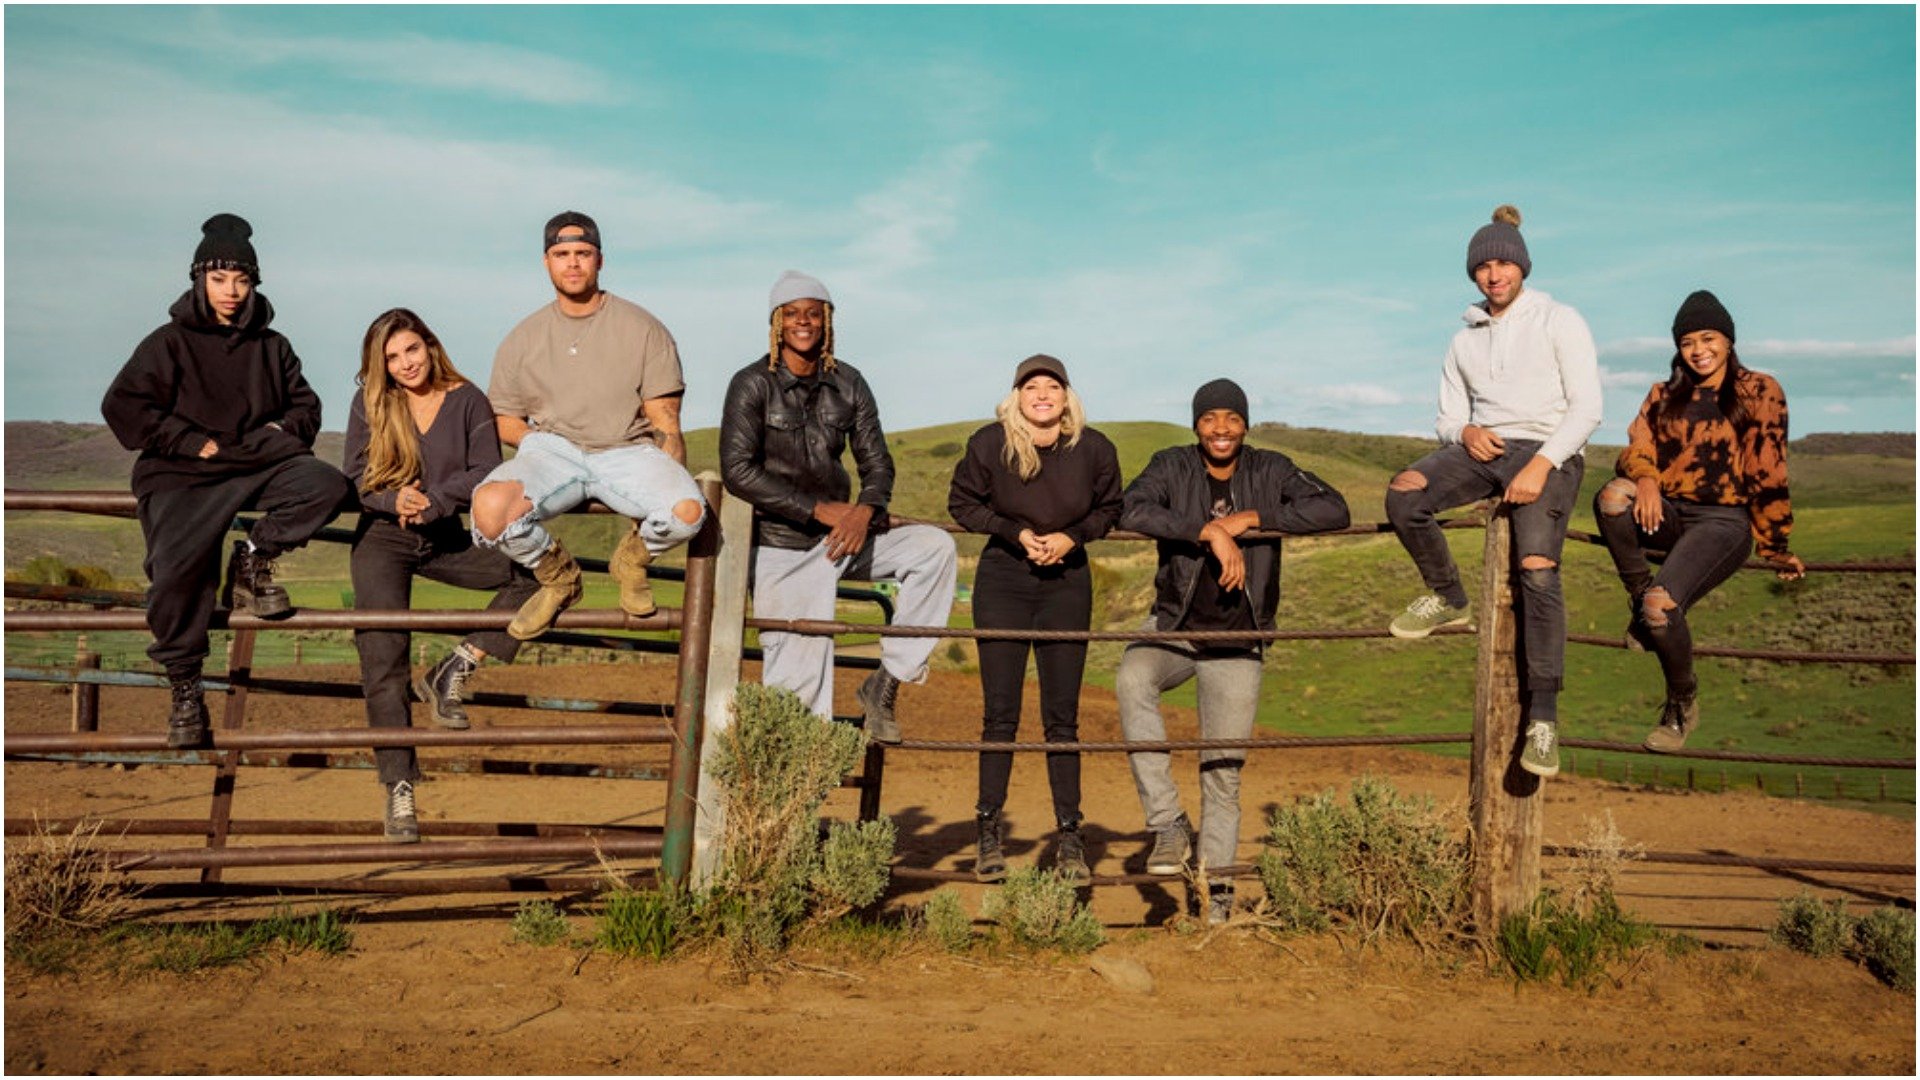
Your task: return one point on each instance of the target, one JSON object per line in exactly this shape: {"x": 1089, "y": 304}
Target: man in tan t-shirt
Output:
{"x": 588, "y": 389}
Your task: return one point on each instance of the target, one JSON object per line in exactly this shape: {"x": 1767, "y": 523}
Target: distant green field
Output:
{"x": 1850, "y": 507}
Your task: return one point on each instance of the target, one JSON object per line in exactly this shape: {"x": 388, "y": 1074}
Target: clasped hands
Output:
{"x": 1047, "y": 549}
{"x": 411, "y": 504}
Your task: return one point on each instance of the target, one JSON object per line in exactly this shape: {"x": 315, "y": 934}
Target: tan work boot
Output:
{"x": 629, "y": 567}
{"x": 559, "y": 578}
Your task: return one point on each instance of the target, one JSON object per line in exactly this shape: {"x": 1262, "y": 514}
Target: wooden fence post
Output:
{"x": 1504, "y": 799}
{"x": 724, "y": 647}
{"x": 86, "y": 696}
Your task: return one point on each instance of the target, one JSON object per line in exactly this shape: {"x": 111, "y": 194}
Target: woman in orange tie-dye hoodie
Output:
{"x": 1703, "y": 478}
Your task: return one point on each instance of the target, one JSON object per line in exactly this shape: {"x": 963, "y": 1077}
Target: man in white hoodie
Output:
{"x": 1519, "y": 395}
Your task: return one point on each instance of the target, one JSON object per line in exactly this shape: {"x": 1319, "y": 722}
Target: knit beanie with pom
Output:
{"x": 1499, "y": 240}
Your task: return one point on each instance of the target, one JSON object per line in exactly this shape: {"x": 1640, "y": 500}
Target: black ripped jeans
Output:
{"x": 1704, "y": 546}
{"x": 1539, "y": 528}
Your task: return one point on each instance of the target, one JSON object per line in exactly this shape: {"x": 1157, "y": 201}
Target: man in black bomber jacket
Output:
{"x": 787, "y": 418}
{"x": 224, "y": 422}
{"x": 1198, "y": 501}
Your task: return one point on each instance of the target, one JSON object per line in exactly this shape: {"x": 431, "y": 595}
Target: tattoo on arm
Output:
{"x": 664, "y": 414}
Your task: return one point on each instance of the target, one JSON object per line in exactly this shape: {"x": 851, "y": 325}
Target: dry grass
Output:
{"x": 57, "y": 882}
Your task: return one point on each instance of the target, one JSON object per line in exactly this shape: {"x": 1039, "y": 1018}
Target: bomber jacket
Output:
{"x": 1169, "y": 501}
{"x": 193, "y": 380}
{"x": 1701, "y": 457}
{"x": 781, "y": 437}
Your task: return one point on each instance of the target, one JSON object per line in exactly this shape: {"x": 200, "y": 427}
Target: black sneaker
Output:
{"x": 250, "y": 586}
{"x": 989, "y": 864}
{"x": 1070, "y": 859}
{"x": 877, "y": 696}
{"x": 444, "y": 687}
{"x": 187, "y": 724}
{"x": 403, "y": 824}
{"x": 1172, "y": 846}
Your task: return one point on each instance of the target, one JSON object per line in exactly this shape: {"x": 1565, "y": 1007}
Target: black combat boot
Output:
{"x": 187, "y": 724}
{"x": 988, "y": 863}
{"x": 250, "y": 586}
{"x": 444, "y": 687}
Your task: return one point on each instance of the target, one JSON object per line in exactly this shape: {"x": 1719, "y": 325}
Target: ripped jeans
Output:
{"x": 1539, "y": 528}
{"x": 640, "y": 481}
{"x": 1705, "y": 544}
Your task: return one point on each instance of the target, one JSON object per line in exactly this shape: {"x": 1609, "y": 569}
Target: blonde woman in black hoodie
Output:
{"x": 224, "y": 422}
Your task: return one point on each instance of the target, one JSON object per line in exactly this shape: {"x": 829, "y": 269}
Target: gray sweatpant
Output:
{"x": 1228, "y": 692}
{"x": 792, "y": 584}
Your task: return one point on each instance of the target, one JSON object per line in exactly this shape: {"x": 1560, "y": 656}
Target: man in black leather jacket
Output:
{"x": 788, "y": 417}
{"x": 1198, "y": 501}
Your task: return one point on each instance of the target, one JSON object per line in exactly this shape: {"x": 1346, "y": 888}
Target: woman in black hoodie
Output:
{"x": 224, "y": 422}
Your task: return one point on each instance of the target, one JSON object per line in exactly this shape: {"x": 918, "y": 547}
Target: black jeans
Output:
{"x": 1704, "y": 546}
{"x": 1011, "y": 593}
{"x": 1539, "y": 528}
{"x": 185, "y": 530}
{"x": 386, "y": 556}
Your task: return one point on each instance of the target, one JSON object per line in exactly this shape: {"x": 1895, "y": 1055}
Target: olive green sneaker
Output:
{"x": 1427, "y": 613}
{"x": 1678, "y": 718}
{"x": 1541, "y": 755}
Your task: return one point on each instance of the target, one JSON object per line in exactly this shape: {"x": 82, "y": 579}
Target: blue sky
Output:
{"x": 1159, "y": 196}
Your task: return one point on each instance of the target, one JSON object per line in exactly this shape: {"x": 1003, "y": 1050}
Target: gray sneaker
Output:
{"x": 1541, "y": 755}
{"x": 1677, "y": 721}
{"x": 1172, "y": 846}
{"x": 1427, "y": 613}
{"x": 877, "y": 696}
{"x": 403, "y": 825}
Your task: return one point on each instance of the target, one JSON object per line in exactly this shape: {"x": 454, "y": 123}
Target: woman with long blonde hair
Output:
{"x": 1042, "y": 485}
{"x": 419, "y": 438}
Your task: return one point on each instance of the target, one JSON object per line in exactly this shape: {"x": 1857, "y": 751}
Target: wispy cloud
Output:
{"x": 488, "y": 69}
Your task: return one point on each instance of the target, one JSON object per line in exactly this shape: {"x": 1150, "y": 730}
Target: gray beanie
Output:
{"x": 1499, "y": 240}
{"x": 1219, "y": 394}
{"x": 794, "y": 285}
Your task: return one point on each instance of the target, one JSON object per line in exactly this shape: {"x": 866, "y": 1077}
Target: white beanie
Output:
{"x": 794, "y": 285}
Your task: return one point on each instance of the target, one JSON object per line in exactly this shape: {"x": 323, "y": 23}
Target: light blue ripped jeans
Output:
{"x": 640, "y": 481}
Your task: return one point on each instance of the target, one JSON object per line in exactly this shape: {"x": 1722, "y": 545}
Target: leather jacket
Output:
{"x": 1169, "y": 501}
{"x": 781, "y": 437}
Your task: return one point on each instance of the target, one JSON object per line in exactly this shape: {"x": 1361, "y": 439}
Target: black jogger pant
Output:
{"x": 386, "y": 556}
{"x": 1011, "y": 593}
{"x": 185, "y": 531}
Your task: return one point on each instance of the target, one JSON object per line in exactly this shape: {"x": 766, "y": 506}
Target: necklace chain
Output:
{"x": 573, "y": 347}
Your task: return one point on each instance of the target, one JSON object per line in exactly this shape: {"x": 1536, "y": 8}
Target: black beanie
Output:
{"x": 1219, "y": 394}
{"x": 1701, "y": 311}
{"x": 1499, "y": 239}
{"x": 224, "y": 246}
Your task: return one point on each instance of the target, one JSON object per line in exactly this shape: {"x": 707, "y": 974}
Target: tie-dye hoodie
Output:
{"x": 1702, "y": 458}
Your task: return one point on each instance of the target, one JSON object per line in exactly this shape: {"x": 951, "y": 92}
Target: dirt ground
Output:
{"x": 434, "y": 984}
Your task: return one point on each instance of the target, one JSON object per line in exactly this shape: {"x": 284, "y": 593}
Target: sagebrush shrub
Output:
{"x": 947, "y": 922}
{"x": 1810, "y": 925}
{"x": 1041, "y": 908}
{"x": 1883, "y": 941}
{"x": 1376, "y": 860}
{"x": 778, "y": 763}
